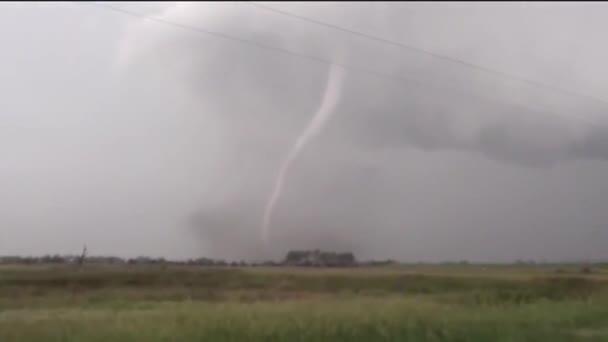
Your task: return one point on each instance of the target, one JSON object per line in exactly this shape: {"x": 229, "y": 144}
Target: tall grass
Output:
{"x": 153, "y": 304}
{"x": 355, "y": 319}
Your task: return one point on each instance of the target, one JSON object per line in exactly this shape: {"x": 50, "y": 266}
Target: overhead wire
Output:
{"x": 408, "y": 47}
{"x": 312, "y": 58}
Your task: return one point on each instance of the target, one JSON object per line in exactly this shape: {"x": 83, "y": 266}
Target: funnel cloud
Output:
{"x": 328, "y": 105}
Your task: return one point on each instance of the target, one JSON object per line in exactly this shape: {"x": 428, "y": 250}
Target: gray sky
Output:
{"x": 143, "y": 139}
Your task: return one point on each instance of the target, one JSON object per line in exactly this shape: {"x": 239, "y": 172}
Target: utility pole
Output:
{"x": 82, "y": 256}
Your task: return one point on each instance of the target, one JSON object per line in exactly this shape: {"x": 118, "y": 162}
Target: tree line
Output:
{"x": 300, "y": 258}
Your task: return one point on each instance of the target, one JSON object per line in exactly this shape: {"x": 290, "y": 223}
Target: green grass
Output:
{"x": 201, "y": 304}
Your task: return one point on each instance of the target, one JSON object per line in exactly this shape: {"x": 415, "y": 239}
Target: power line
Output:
{"x": 257, "y": 44}
{"x": 313, "y": 58}
{"x": 427, "y": 52}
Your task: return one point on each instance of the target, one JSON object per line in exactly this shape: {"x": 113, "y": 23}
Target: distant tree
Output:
{"x": 319, "y": 258}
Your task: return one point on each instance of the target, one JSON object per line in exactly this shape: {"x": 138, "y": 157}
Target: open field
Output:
{"x": 397, "y": 303}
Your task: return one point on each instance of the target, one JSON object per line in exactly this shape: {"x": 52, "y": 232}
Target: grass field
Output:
{"x": 399, "y": 303}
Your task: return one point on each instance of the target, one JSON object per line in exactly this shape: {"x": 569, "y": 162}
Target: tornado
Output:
{"x": 328, "y": 104}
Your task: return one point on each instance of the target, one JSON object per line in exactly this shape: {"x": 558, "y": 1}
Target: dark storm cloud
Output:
{"x": 434, "y": 162}
{"x": 339, "y": 193}
{"x": 443, "y": 107}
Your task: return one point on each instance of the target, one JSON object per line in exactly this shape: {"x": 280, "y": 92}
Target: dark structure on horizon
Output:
{"x": 319, "y": 258}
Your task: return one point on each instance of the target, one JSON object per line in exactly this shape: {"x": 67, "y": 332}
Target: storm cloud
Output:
{"x": 423, "y": 159}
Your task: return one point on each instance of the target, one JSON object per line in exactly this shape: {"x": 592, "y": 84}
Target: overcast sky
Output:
{"x": 139, "y": 138}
